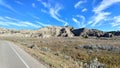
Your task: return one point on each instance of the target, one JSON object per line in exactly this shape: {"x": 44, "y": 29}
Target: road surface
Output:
{"x": 11, "y": 56}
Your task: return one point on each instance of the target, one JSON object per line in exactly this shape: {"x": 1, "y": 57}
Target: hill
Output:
{"x": 56, "y": 31}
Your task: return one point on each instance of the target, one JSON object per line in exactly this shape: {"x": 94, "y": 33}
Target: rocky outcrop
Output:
{"x": 56, "y": 31}
{"x": 115, "y": 33}
{"x": 84, "y": 32}
{"x": 107, "y": 35}
{"x": 111, "y": 48}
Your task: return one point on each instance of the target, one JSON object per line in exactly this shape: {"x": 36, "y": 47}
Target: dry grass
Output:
{"x": 63, "y": 54}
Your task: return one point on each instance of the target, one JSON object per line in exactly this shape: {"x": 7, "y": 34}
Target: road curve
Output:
{"x": 11, "y": 56}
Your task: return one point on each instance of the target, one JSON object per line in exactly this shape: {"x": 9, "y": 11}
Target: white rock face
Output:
{"x": 46, "y": 32}
{"x": 53, "y": 31}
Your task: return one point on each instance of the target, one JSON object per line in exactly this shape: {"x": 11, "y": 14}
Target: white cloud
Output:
{"x": 116, "y": 21}
{"x": 2, "y": 19}
{"x": 18, "y": 2}
{"x": 100, "y": 15}
{"x": 8, "y": 21}
{"x": 57, "y": 9}
{"x": 7, "y": 6}
{"x": 43, "y": 24}
{"x": 98, "y": 18}
{"x": 79, "y": 3}
{"x": 104, "y": 5}
{"x": 83, "y": 19}
{"x": 16, "y": 24}
{"x": 76, "y": 21}
{"x": 83, "y": 10}
{"x": 54, "y": 11}
{"x": 80, "y": 22}
{"x": 44, "y": 11}
{"x": 45, "y": 4}
{"x": 54, "y": 14}
{"x": 33, "y": 5}
{"x": 30, "y": 24}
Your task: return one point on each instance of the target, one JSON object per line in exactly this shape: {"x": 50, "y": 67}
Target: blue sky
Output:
{"x": 34, "y": 14}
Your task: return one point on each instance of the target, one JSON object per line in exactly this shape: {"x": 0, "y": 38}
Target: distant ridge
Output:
{"x": 57, "y": 31}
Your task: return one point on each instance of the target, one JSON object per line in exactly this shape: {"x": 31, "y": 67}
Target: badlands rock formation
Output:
{"x": 84, "y": 32}
{"x": 56, "y": 31}
{"x": 53, "y": 31}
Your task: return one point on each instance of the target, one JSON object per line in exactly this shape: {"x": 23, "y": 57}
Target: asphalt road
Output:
{"x": 11, "y": 56}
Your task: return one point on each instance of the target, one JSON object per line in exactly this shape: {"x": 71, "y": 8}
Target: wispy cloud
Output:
{"x": 76, "y": 21}
{"x": 54, "y": 11}
{"x": 2, "y": 22}
{"x": 18, "y": 2}
{"x": 2, "y": 3}
{"x": 83, "y": 10}
{"x": 38, "y": 20}
{"x": 78, "y": 4}
{"x": 45, "y": 4}
{"x": 104, "y": 5}
{"x": 9, "y": 21}
{"x": 80, "y": 20}
{"x": 97, "y": 18}
{"x": 44, "y": 11}
{"x": 30, "y": 24}
{"x": 42, "y": 24}
{"x": 33, "y": 5}
{"x": 54, "y": 14}
{"x": 116, "y": 21}
{"x": 100, "y": 15}
{"x": 2, "y": 18}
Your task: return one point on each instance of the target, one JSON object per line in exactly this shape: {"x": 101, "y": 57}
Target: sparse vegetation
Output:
{"x": 65, "y": 52}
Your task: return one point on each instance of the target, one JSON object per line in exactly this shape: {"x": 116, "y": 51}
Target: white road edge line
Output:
{"x": 20, "y": 57}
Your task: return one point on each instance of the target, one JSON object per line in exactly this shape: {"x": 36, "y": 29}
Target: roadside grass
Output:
{"x": 61, "y": 52}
